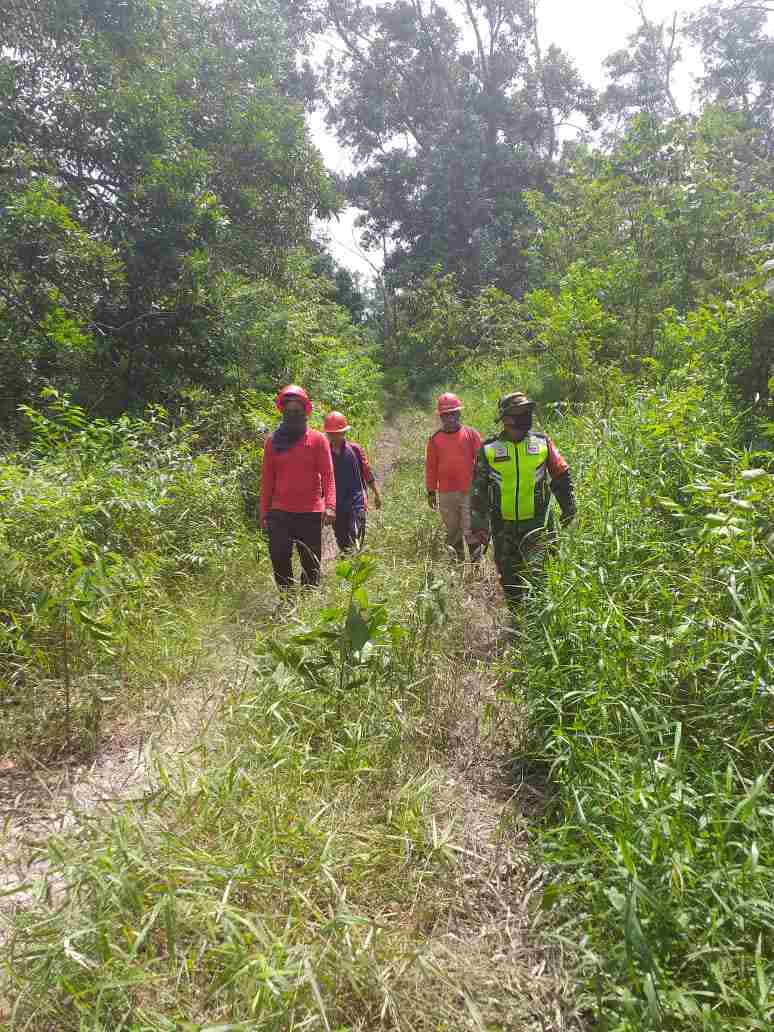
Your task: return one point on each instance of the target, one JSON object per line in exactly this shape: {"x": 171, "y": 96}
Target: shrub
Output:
{"x": 101, "y": 522}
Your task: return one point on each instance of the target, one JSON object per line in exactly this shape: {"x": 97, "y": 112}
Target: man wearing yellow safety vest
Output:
{"x": 514, "y": 473}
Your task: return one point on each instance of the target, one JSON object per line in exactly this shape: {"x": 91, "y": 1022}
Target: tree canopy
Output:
{"x": 147, "y": 150}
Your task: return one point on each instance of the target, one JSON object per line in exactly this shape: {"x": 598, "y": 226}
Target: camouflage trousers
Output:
{"x": 519, "y": 558}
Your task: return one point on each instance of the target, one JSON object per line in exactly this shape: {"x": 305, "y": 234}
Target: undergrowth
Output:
{"x": 286, "y": 872}
{"x": 112, "y": 538}
{"x": 648, "y": 676}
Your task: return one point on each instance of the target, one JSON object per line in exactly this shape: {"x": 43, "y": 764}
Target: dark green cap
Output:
{"x": 514, "y": 404}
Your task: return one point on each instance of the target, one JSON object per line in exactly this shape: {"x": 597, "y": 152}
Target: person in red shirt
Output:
{"x": 298, "y": 492}
{"x": 449, "y": 462}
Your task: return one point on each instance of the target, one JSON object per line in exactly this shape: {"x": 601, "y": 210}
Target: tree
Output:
{"x": 449, "y": 135}
{"x": 738, "y": 56}
{"x": 345, "y": 286}
{"x": 641, "y": 74}
{"x": 675, "y": 215}
{"x": 146, "y": 149}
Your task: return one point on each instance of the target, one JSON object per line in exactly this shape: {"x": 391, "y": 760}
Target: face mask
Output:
{"x": 519, "y": 424}
{"x": 294, "y": 420}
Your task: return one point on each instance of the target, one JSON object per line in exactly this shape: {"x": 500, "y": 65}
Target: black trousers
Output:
{"x": 350, "y": 529}
{"x": 302, "y": 529}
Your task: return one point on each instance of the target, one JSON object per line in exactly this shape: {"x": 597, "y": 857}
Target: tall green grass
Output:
{"x": 648, "y": 671}
{"x": 112, "y": 538}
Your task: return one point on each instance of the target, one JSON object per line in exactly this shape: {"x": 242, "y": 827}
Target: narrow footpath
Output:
{"x": 486, "y": 946}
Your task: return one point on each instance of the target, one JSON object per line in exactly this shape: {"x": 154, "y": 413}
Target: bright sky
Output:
{"x": 588, "y": 31}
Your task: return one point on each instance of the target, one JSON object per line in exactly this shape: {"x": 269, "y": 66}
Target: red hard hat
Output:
{"x": 449, "y": 403}
{"x": 294, "y": 391}
{"x": 336, "y": 423}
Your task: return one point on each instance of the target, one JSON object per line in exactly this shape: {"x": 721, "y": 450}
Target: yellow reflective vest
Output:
{"x": 518, "y": 480}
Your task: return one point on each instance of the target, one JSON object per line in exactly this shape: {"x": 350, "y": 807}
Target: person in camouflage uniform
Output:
{"x": 516, "y": 472}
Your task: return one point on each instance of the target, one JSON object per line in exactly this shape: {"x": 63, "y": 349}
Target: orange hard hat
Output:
{"x": 336, "y": 423}
{"x": 449, "y": 403}
{"x": 294, "y": 391}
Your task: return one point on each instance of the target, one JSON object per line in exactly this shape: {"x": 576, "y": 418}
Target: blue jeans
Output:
{"x": 350, "y": 529}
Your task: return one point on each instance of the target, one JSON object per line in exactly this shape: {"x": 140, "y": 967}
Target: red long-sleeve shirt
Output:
{"x": 556, "y": 463}
{"x": 450, "y": 459}
{"x": 299, "y": 479}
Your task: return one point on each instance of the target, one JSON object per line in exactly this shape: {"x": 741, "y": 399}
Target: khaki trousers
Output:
{"x": 454, "y": 507}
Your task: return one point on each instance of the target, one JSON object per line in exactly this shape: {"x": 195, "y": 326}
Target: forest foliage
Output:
{"x": 611, "y": 251}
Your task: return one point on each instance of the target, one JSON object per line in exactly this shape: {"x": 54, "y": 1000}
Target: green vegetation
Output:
{"x": 287, "y": 869}
{"x": 105, "y": 528}
{"x": 650, "y": 696}
{"x": 159, "y": 281}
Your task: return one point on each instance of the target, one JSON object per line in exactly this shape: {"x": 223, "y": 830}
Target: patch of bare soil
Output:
{"x": 38, "y": 802}
{"x": 488, "y": 941}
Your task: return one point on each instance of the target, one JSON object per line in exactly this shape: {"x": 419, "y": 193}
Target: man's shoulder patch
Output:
{"x": 498, "y": 450}
{"x": 536, "y": 443}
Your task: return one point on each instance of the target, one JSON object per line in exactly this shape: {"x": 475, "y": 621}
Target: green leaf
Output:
{"x": 357, "y": 630}
{"x": 344, "y": 569}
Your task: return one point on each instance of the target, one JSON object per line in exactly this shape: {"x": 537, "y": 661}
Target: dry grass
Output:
{"x": 486, "y": 944}
{"x": 39, "y": 801}
{"x": 433, "y": 854}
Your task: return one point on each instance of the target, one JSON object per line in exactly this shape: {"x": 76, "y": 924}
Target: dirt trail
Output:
{"x": 491, "y": 940}
{"x": 491, "y": 937}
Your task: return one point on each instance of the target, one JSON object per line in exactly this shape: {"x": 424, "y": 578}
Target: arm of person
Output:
{"x": 367, "y": 474}
{"x": 561, "y": 483}
{"x": 475, "y": 443}
{"x": 431, "y": 474}
{"x": 327, "y": 479}
{"x": 479, "y": 501}
{"x": 267, "y": 482}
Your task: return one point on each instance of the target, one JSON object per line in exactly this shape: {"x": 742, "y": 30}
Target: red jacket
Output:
{"x": 450, "y": 459}
{"x": 299, "y": 479}
{"x": 366, "y": 473}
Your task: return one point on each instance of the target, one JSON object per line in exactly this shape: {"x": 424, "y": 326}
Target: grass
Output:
{"x": 648, "y": 674}
{"x": 301, "y": 865}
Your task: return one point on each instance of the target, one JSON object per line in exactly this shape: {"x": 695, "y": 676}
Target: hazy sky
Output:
{"x": 588, "y": 31}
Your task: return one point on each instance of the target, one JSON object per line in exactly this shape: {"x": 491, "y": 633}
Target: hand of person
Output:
{"x": 377, "y": 500}
{"x": 477, "y": 537}
{"x": 265, "y": 524}
{"x": 432, "y": 499}
{"x": 329, "y": 517}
